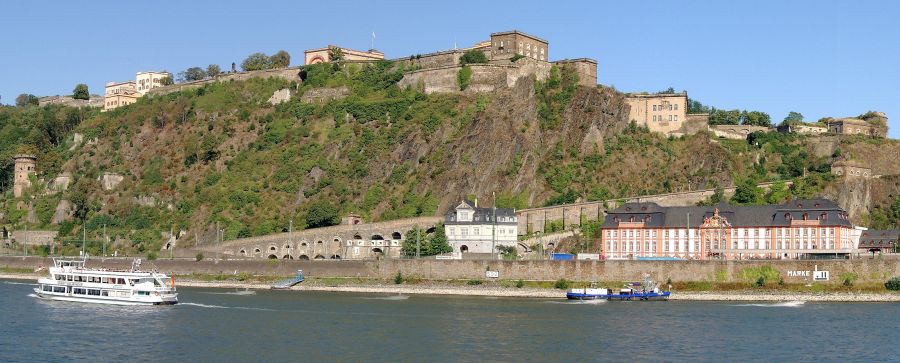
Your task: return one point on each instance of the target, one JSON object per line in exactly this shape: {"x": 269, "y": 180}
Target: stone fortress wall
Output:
{"x": 289, "y": 73}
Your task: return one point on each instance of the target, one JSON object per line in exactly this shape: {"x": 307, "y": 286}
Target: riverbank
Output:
{"x": 432, "y": 288}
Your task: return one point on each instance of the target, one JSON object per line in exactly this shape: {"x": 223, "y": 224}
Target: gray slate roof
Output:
{"x": 656, "y": 216}
{"x": 480, "y": 215}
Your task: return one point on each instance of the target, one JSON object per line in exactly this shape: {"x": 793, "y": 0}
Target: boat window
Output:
{"x": 94, "y": 292}
{"x": 78, "y": 291}
{"x": 143, "y": 293}
{"x": 104, "y": 293}
{"x": 104, "y": 280}
{"x": 48, "y": 288}
{"x": 121, "y": 281}
{"x": 59, "y": 289}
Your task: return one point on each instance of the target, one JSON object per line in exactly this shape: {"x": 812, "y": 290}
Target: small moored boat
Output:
{"x": 648, "y": 290}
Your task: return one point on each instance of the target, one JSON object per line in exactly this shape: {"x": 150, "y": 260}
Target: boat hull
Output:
{"x": 106, "y": 300}
{"x": 649, "y": 296}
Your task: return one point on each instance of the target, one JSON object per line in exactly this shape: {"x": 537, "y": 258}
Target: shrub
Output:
{"x": 849, "y": 278}
{"x": 520, "y": 283}
{"x": 760, "y": 282}
{"x": 398, "y": 279}
{"x": 561, "y": 284}
{"x": 474, "y": 282}
{"x": 893, "y": 284}
{"x": 463, "y": 77}
{"x": 516, "y": 57}
{"x": 151, "y": 256}
{"x": 472, "y": 56}
{"x": 199, "y": 257}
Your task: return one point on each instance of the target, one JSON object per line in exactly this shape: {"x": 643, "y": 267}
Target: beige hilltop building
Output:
{"x": 145, "y": 81}
{"x": 118, "y": 94}
{"x": 323, "y": 55}
{"x": 663, "y": 112}
{"x": 509, "y": 43}
{"x": 24, "y": 169}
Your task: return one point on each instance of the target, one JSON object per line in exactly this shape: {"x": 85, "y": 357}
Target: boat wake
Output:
{"x": 786, "y": 304}
{"x": 390, "y": 298}
{"x": 578, "y": 302}
{"x": 236, "y": 293}
{"x": 209, "y": 306}
{"x": 32, "y": 295}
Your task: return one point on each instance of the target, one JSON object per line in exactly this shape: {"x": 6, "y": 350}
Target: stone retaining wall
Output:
{"x": 865, "y": 270}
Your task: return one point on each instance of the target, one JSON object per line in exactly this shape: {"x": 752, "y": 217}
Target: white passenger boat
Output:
{"x": 70, "y": 280}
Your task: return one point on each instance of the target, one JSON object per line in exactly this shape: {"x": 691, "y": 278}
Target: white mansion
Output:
{"x": 470, "y": 228}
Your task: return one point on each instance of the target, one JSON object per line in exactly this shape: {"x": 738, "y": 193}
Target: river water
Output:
{"x": 215, "y": 325}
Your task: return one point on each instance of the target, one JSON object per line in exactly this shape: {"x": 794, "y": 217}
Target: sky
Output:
{"x": 819, "y": 58}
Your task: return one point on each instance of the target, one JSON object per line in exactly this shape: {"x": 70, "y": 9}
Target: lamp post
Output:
{"x": 494, "y": 228}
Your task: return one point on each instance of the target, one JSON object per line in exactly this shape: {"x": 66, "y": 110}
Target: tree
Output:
{"x": 667, "y": 91}
{"x": 256, "y": 62}
{"x": 434, "y": 244}
{"x": 756, "y": 118}
{"x": 192, "y": 74}
{"x": 438, "y": 241}
{"x": 747, "y": 193}
{"x": 472, "y": 56}
{"x": 322, "y": 214}
{"x": 26, "y": 99}
{"x": 81, "y": 92}
{"x": 166, "y": 81}
{"x": 280, "y": 59}
{"x": 778, "y": 193}
{"x": 723, "y": 117}
{"x": 792, "y": 118}
{"x": 213, "y": 70}
{"x": 335, "y": 54}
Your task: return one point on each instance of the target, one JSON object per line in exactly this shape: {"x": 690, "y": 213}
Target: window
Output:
{"x": 676, "y": 107}
{"x": 676, "y": 118}
{"x": 475, "y": 232}
{"x": 654, "y": 118}
{"x": 654, "y": 109}
{"x": 670, "y": 107}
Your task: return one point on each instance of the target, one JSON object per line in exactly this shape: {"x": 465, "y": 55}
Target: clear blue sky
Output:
{"x": 820, "y": 58}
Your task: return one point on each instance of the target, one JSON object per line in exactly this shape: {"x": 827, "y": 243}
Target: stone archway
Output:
{"x": 377, "y": 250}
{"x": 273, "y": 257}
{"x": 396, "y": 235}
{"x": 463, "y": 249}
{"x": 287, "y": 257}
{"x": 319, "y": 257}
{"x": 304, "y": 257}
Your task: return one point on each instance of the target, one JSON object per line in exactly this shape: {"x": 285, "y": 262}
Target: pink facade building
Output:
{"x": 816, "y": 228}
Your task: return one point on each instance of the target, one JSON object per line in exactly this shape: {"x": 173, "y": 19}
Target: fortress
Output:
{"x": 511, "y": 56}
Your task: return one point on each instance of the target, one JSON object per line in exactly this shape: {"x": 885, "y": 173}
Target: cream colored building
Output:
{"x": 145, "y": 81}
{"x": 664, "y": 113}
{"x": 118, "y": 94}
{"x": 323, "y": 55}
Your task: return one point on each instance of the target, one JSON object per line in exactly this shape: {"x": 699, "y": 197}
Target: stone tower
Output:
{"x": 24, "y": 165}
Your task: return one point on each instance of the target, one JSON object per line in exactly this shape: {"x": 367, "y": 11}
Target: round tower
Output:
{"x": 24, "y": 167}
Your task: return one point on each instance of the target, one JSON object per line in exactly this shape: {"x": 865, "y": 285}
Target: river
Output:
{"x": 216, "y": 325}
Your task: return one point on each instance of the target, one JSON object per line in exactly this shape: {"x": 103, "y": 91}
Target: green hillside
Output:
{"x": 222, "y": 153}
